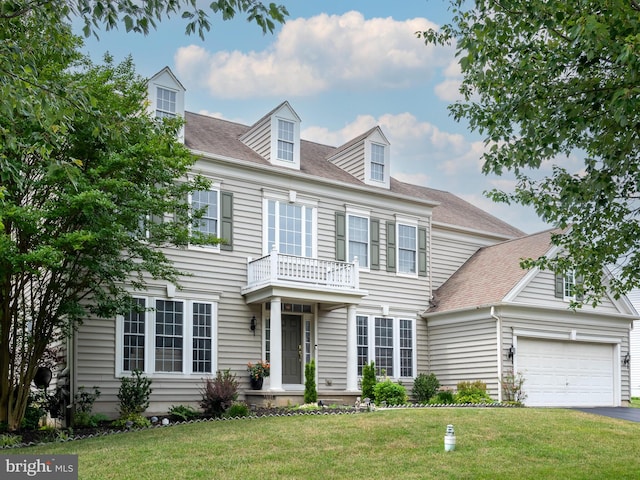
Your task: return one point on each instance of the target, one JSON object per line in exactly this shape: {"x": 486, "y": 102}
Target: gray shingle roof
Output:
{"x": 490, "y": 274}
{"x": 221, "y": 137}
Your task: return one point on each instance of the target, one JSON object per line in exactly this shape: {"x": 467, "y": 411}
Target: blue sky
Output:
{"x": 344, "y": 66}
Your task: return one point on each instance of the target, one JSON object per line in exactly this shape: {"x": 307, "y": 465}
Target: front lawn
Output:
{"x": 635, "y": 402}
{"x": 492, "y": 443}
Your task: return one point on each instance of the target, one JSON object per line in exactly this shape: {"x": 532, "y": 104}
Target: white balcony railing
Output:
{"x": 278, "y": 267}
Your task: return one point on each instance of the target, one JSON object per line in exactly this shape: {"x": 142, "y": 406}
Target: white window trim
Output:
{"x": 565, "y": 297}
{"x": 187, "y": 340}
{"x": 362, "y": 213}
{"x": 214, "y": 187}
{"x": 386, "y": 182}
{"x": 287, "y": 198}
{"x": 371, "y": 343}
{"x": 295, "y": 163}
{"x": 176, "y": 112}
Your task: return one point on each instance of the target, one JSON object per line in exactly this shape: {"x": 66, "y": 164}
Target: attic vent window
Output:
{"x": 285, "y": 140}
{"x": 165, "y": 103}
{"x": 377, "y": 162}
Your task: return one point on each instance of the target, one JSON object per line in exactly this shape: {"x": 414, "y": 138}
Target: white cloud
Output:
{"x": 312, "y": 55}
{"x": 449, "y": 89}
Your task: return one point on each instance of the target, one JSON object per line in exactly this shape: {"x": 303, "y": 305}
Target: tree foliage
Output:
{"x": 546, "y": 81}
{"x": 89, "y": 200}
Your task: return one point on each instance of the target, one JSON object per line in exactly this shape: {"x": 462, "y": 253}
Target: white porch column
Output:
{"x": 276, "y": 345}
{"x": 352, "y": 349}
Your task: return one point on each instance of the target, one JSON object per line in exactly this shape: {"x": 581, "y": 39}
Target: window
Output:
{"x": 207, "y": 202}
{"x": 406, "y": 348}
{"x": 134, "y": 335}
{"x": 377, "y": 162}
{"x": 165, "y": 103}
{"x": 290, "y": 228}
{"x": 358, "y": 234}
{"x": 569, "y": 285}
{"x": 169, "y": 336}
{"x": 202, "y": 323}
{"x": 181, "y": 332}
{"x": 391, "y": 346}
{"x": 407, "y": 252}
{"x": 285, "y": 140}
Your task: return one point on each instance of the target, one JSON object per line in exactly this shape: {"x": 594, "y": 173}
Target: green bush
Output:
{"x": 84, "y": 419}
{"x": 36, "y": 409}
{"x": 134, "y": 394}
{"x": 9, "y": 440}
{"x": 424, "y": 387}
{"x": 219, "y": 393}
{"x": 182, "y": 413}
{"x": 390, "y": 392}
{"x": 132, "y": 420}
{"x": 472, "y": 392}
{"x": 237, "y": 409}
{"x": 369, "y": 381}
{"x": 444, "y": 397}
{"x": 310, "y": 391}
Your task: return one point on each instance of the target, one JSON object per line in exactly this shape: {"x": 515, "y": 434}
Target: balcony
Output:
{"x": 302, "y": 278}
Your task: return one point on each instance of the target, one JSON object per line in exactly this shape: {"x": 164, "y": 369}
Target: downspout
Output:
{"x": 499, "y": 349}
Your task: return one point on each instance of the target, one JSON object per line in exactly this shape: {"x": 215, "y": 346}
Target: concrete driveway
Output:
{"x": 624, "y": 413}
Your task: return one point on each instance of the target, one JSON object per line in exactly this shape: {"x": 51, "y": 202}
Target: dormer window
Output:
{"x": 165, "y": 103}
{"x": 285, "y": 140}
{"x": 377, "y": 162}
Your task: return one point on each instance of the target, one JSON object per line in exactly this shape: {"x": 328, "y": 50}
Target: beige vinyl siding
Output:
{"x": 259, "y": 139}
{"x": 464, "y": 351}
{"x": 540, "y": 291}
{"x": 352, "y": 161}
{"x": 449, "y": 252}
{"x": 222, "y": 274}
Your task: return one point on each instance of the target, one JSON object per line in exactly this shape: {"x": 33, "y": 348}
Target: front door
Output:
{"x": 291, "y": 349}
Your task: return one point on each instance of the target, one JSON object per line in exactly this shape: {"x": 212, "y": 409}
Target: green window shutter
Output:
{"x": 559, "y": 285}
{"x": 374, "y": 226}
{"x": 391, "y": 247}
{"x": 226, "y": 220}
{"x": 341, "y": 237}
{"x": 422, "y": 252}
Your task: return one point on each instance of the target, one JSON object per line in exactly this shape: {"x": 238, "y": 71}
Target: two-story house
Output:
{"x": 327, "y": 257}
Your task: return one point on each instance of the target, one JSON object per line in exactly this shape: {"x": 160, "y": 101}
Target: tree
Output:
{"x": 89, "y": 202}
{"x": 543, "y": 81}
{"x": 85, "y": 175}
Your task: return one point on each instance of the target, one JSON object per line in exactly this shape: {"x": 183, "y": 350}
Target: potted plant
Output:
{"x": 257, "y": 372}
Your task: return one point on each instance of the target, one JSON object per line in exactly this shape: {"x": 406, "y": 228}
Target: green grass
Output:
{"x": 492, "y": 443}
{"x": 635, "y": 402}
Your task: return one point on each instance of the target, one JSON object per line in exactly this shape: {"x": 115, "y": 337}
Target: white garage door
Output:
{"x": 566, "y": 374}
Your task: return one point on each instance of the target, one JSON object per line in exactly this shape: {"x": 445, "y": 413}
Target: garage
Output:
{"x": 566, "y": 374}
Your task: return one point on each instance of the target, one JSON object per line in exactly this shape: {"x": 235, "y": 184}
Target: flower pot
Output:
{"x": 256, "y": 383}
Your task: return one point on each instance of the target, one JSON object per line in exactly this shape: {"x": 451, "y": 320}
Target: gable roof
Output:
{"x": 490, "y": 274}
{"x": 222, "y": 137}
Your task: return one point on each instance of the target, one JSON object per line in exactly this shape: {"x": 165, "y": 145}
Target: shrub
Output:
{"x": 310, "y": 392}
{"x": 444, "y": 397}
{"x": 84, "y": 419}
{"x": 369, "y": 381}
{"x": 237, "y": 409}
{"x": 132, "y": 420}
{"x": 36, "y": 409}
{"x": 390, "y": 392}
{"x": 83, "y": 400}
{"x": 472, "y": 392}
{"x": 424, "y": 387}
{"x": 512, "y": 387}
{"x": 183, "y": 413}
{"x": 219, "y": 393}
{"x": 9, "y": 440}
{"x": 134, "y": 394}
